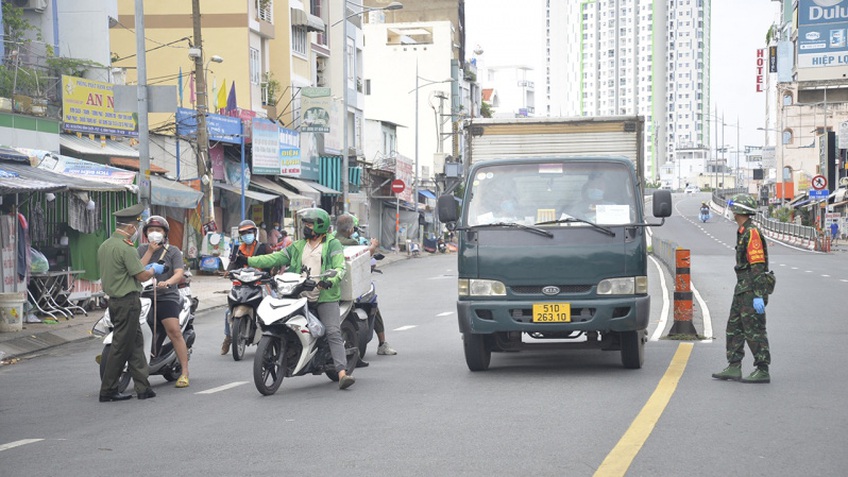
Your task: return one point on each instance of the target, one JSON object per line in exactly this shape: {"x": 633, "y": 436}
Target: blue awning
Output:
{"x": 427, "y": 193}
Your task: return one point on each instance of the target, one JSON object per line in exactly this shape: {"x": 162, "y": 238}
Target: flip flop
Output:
{"x": 182, "y": 382}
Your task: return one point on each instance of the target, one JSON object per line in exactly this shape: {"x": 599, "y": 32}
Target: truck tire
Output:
{"x": 478, "y": 353}
{"x": 632, "y": 348}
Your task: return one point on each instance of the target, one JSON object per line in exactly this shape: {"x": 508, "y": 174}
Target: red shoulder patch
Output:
{"x": 755, "y": 248}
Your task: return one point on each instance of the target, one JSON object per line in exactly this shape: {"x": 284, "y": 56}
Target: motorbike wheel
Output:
{"x": 351, "y": 345}
{"x": 124, "y": 379}
{"x": 269, "y": 365}
{"x": 239, "y": 330}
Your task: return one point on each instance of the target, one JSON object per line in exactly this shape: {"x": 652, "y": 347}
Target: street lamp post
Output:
{"x": 345, "y": 159}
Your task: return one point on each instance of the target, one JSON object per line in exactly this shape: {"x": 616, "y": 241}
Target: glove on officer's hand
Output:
{"x": 324, "y": 285}
{"x": 241, "y": 261}
{"x": 157, "y": 268}
{"x": 759, "y": 305}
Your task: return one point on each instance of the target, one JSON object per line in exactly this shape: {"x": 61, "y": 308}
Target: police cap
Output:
{"x": 132, "y": 213}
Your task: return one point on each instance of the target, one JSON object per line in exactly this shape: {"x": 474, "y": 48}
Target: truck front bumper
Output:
{"x": 608, "y": 314}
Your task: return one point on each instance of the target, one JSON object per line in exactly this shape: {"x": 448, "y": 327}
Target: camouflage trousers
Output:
{"x": 745, "y": 325}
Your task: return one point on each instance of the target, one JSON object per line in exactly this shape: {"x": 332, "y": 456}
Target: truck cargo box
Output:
{"x": 357, "y": 277}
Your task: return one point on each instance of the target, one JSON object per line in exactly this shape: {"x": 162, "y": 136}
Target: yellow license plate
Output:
{"x": 552, "y": 312}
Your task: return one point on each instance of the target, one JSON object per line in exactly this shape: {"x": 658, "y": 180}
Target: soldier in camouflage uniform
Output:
{"x": 747, "y": 321}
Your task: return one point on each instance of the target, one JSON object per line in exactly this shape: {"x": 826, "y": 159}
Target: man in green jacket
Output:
{"x": 319, "y": 253}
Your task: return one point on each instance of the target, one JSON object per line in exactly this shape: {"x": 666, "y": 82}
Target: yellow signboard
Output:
{"x": 88, "y": 106}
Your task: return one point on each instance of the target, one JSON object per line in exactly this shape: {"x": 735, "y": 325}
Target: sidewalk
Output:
{"x": 211, "y": 290}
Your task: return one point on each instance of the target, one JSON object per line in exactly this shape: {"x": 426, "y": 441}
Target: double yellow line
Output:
{"x": 619, "y": 459}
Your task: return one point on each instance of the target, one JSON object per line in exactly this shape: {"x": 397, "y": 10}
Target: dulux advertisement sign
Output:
{"x": 822, "y": 33}
{"x": 812, "y": 12}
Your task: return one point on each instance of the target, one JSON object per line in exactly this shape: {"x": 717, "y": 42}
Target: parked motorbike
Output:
{"x": 293, "y": 343}
{"x": 250, "y": 286}
{"x": 161, "y": 356}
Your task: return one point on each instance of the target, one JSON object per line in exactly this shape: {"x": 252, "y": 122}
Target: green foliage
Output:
{"x": 485, "y": 110}
{"x": 70, "y": 66}
{"x": 782, "y": 214}
{"x": 272, "y": 88}
{"x": 15, "y": 25}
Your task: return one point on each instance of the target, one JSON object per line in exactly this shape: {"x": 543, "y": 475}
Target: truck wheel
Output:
{"x": 632, "y": 348}
{"x": 477, "y": 351}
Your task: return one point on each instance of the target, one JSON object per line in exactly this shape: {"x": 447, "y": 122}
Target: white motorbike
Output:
{"x": 160, "y": 353}
{"x": 293, "y": 342}
{"x": 250, "y": 286}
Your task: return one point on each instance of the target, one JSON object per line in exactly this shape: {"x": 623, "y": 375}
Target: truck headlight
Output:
{"x": 477, "y": 287}
{"x": 623, "y": 286}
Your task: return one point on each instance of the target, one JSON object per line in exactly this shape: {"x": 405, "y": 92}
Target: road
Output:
{"x": 423, "y": 413}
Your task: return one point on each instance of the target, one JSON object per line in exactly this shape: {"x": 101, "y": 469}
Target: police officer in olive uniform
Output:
{"x": 122, "y": 273}
{"x": 747, "y": 321}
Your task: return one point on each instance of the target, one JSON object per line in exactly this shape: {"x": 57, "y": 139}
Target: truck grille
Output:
{"x": 537, "y": 289}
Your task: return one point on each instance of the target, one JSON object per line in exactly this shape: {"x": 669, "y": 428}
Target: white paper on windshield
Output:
{"x": 612, "y": 214}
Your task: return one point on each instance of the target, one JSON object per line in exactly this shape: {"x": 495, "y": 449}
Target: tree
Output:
{"x": 485, "y": 110}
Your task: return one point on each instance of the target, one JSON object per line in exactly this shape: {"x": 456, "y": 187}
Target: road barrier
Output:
{"x": 682, "y": 295}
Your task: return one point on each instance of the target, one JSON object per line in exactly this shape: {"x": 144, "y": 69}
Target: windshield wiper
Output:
{"x": 571, "y": 220}
{"x": 513, "y": 225}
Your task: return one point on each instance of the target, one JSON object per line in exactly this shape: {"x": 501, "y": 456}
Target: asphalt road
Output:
{"x": 423, "y": 413}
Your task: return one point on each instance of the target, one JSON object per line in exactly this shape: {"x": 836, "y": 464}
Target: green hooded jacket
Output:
{"x": 332, "y": 257}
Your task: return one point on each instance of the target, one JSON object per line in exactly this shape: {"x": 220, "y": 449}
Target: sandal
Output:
{"x": 182, "y": 382}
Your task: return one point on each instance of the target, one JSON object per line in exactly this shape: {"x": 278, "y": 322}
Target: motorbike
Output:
{"x": 161, "y": 356}
{"x": 293, "y": 343}
{"x": 250, "y": 286}
{"x": 704, "y": 215}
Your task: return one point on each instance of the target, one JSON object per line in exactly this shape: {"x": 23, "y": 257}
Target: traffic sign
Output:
{"x": 398, "y": 186}
{"x": 819, "y": 194}
{"x": 819, "y": 182}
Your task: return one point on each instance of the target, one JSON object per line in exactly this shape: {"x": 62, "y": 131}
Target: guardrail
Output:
{"x": 790, "y": 233}
{"x": 664, "y": 250}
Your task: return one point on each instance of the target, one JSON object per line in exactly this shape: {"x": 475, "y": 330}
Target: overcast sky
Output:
{"x": 510, "y": 35}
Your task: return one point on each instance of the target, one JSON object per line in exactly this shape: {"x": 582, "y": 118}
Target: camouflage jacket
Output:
{"x": 751, "y": 260}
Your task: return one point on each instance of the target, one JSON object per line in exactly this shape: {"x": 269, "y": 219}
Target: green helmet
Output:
{"x": 743, "y": 204}
{"x": 319, "y": 219}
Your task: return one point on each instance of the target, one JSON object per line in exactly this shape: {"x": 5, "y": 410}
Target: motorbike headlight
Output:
{"x": 478, "y": 287}
{"x": 623, "y": 286}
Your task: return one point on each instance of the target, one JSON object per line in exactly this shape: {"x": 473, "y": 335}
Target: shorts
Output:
{"x": 166, "y": 309}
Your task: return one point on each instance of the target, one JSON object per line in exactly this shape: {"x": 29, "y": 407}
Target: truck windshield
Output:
{"x": 540, "y": 192}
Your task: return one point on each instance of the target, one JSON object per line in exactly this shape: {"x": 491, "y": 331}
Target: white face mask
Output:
{"x": 155, "y": 237}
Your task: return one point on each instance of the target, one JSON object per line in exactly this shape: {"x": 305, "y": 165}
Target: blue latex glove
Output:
{"x": 759, "y": 305}
{"x": 158, "y": 268}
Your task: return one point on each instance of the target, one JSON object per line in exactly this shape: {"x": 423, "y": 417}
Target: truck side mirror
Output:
{"x": 662, "y": 203}
{"x": 448, "y": 209}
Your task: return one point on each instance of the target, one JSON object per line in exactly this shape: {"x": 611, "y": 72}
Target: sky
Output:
{"x": 738, "y": 29}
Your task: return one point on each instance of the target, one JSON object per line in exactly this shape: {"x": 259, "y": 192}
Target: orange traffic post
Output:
{"x": 682, "y": 296}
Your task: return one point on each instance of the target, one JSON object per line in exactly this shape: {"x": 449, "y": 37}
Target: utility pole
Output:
{"x": 143, "y": 128}
{"x": 202, "y": 134}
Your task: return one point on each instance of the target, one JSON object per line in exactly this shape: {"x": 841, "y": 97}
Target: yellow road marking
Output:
{"x": 619, "y": 459}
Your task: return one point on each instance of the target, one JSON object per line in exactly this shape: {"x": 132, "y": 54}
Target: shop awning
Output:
{"x": 305, "y": 187}
{"x": 296, "y": 201}
{"x": 797, "y": 199}
{"x": 107, "y": 147}
{"x": 250, "y": 194}
{"x": 92, "y": 171}
{"x": 299, "y": 17}
{"x": 13, "y": 183}
{"x": 173, "y": 194}
{"x": 427, "y": 193}
{"x": 127, "y": 163}
{"x": 72, "y": 182}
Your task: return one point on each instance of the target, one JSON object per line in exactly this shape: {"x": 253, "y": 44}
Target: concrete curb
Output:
{"x": 29, "y": 343}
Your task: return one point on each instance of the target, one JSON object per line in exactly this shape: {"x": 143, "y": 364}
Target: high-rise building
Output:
{"x": 632, "y": 57}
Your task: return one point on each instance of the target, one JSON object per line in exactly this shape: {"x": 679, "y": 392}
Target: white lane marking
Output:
{"x": 808, "y": 271}
{"x": 826, "y": 276}
{"x": 404, "y": 328}
{"x": 843, "y": 280}
{"x": 21, "y": 442}
{"x": 447, "y": 313}
{"x": 441, "y": 277}
{"x": 705, "y": 311}
{"x": 794, "y": 268}
{"x": 664, "y": 313}
{"x": 222, "y": 388}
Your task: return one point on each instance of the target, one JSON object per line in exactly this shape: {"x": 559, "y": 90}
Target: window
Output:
{"x": 787, "y": 136}
{"x": 299, "y": 40}
{"x": 255, "y": 66}
{"x": 264, "y": 10}
{"x": 787, "y": 99}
